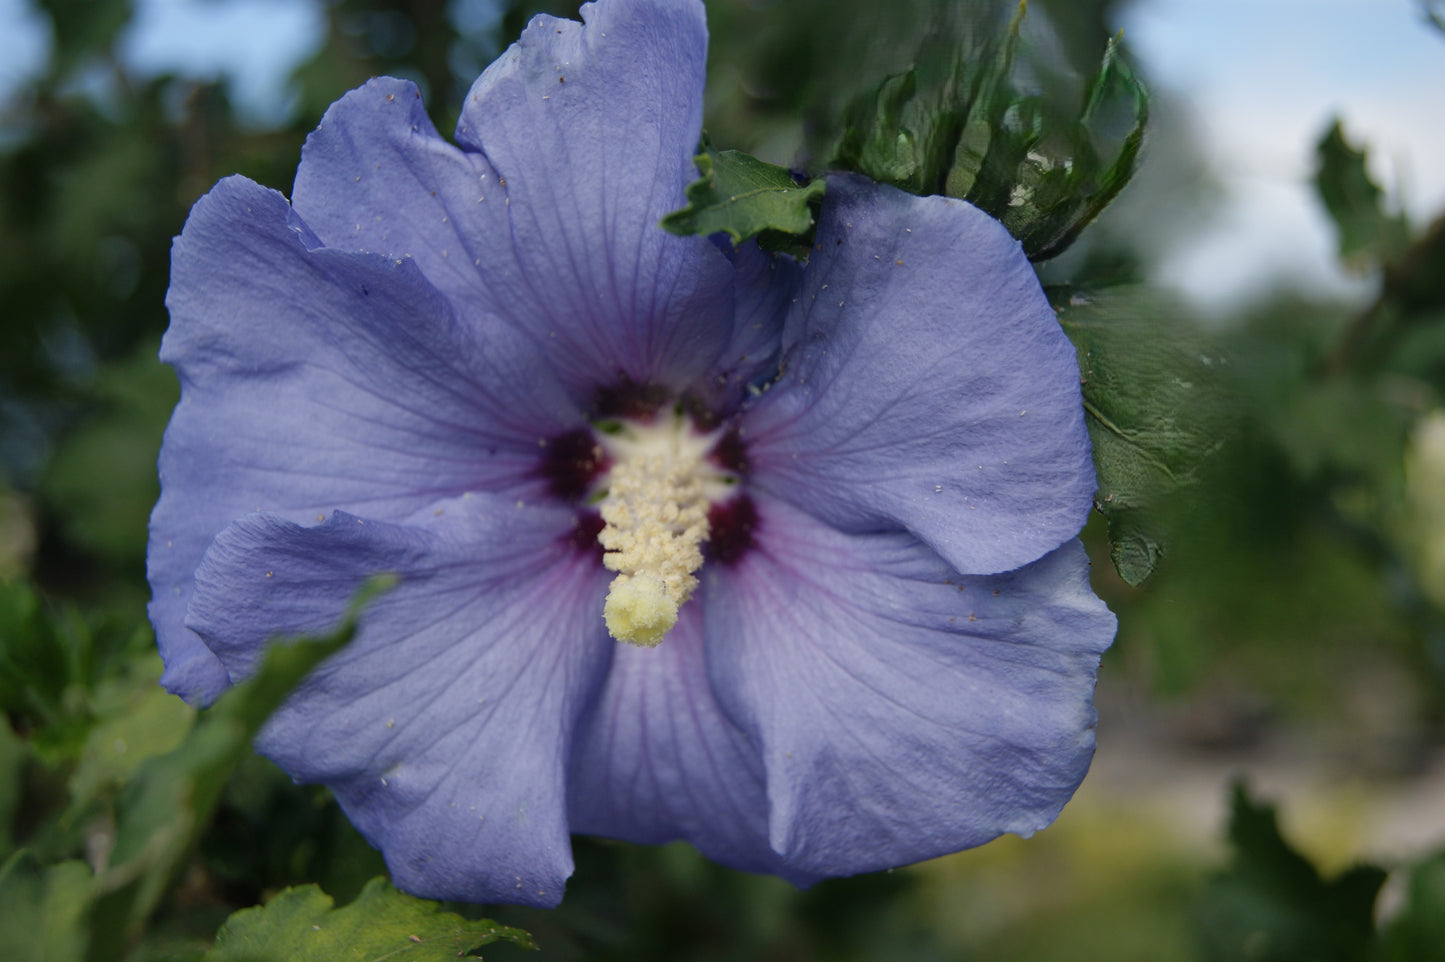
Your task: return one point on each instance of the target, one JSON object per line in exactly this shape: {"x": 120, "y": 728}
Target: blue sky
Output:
{"x": 22, "y": 44}
{"x": 1260, "y": 80}
{"x": 253, "y": 43}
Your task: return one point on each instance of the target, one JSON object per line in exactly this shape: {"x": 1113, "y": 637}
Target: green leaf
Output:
{"x": 1058, "y": 194}
{"x": 1272, "y": 905}
{"x": 743, "y": 197}
{"x": 962, "y": 123}
{"x": 1155, "y": 408}
{"x": 933, "y": 124}
{"x": 1417, "y": 934}
{"x": 169, "y": 801}
{"x": 43, "y": 909}
{"x": 1368, "y": 235}
{"x": 300, "y": 923}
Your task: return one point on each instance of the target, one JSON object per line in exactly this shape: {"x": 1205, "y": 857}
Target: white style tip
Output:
{"x": 639, "y": 610}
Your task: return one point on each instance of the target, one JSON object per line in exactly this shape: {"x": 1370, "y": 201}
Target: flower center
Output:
{"x": 654, "y": 509}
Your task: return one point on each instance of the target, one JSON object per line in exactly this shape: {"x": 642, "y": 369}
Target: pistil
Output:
{"x": 655, "y": 521}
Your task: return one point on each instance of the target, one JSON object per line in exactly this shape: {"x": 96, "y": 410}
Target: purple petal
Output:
{"x": 927, "y": 385}
{"x": 375, "y": 175}
{"x": 316, "y": 379}
{"x": 593, "y": 127}
{"x": 903, "y": 711}
{"x": 766, "y": 286}
{"x": 656, "y": 760}
{"x": 445, "y": 727}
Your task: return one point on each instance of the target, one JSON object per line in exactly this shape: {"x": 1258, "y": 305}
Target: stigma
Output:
{"x": 654, "y": 506}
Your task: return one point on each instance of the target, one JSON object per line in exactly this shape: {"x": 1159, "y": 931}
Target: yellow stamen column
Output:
{"x": 655, "y": 521}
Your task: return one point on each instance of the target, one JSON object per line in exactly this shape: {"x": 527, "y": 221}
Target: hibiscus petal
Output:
{"x": 766, "y": 286}
{"x": 376, "y": 176}
{"x": 927, "y": 384}
{"x": 656, "y": 760}
{"x": 444, "y": 728}
{"x": 592, "y": 128}
{"x": 903, "y": 711}
{"x": 316, "y": 379}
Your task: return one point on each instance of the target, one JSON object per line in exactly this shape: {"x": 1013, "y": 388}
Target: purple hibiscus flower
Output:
{"x": 693, "y": 542}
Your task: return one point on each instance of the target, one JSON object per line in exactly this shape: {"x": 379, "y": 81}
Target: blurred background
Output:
{"x": 1278, "y": 267}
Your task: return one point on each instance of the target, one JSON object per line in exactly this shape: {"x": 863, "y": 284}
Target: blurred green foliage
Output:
{"x": 1272, "y": 905}
{"x": 1259, "y": 477}
{"x": 1417, "y": 932}
{"x": 1292, "y": 564}
{"x": 144, "y": 785}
